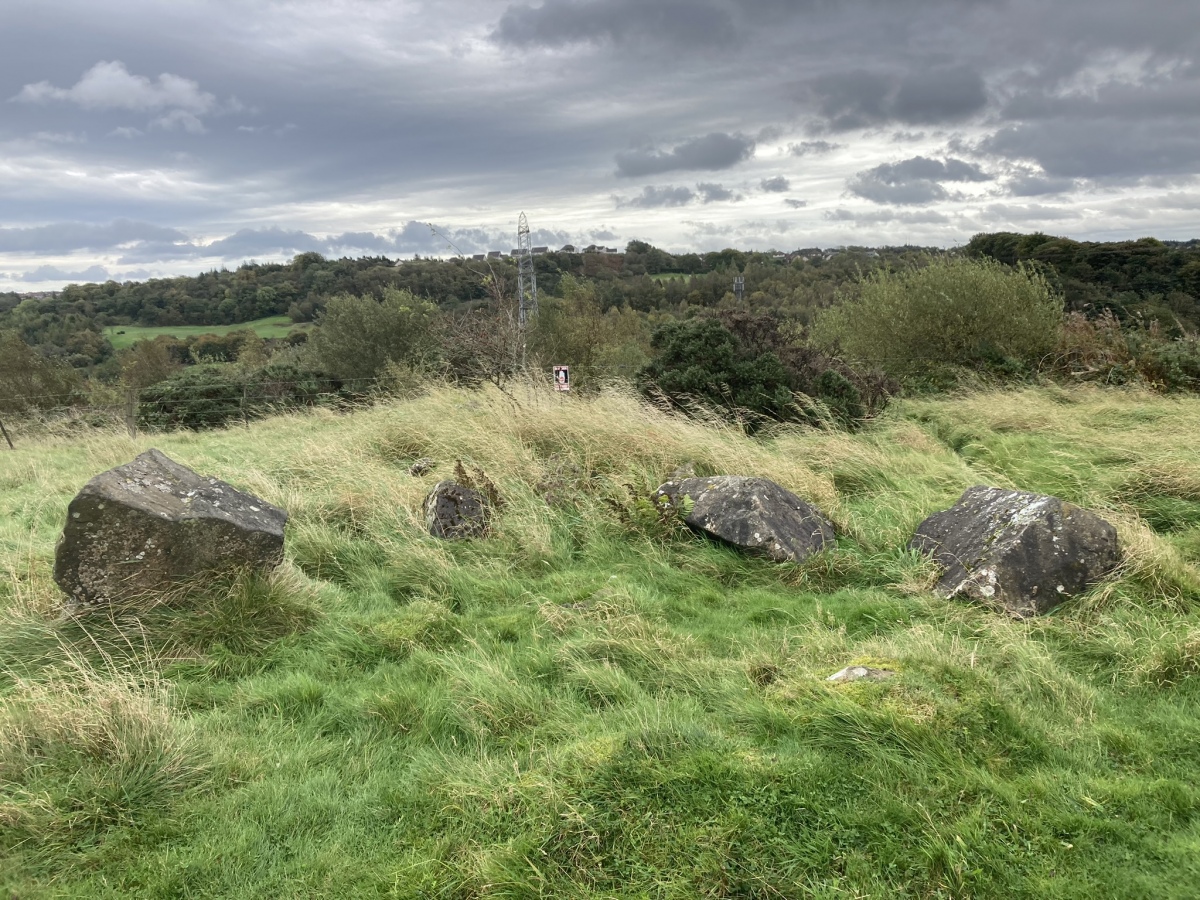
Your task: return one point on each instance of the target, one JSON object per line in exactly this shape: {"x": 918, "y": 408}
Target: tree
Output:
{"x": 148, "y": 362}
{"x": 358, "y": 335}
{"x": 29, "y": 380}
{"x": 574, "y": 330}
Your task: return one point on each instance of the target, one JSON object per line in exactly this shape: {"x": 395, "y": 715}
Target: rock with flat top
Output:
{"x": 753, "y": 514}
{"x": 1023, "y": 553}
{"x": 137, "y": 530}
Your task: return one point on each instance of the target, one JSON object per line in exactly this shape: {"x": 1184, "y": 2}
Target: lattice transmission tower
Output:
{"x": 526, "y": 279}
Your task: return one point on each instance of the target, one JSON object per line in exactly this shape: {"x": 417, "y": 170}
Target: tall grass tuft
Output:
{"x": 83, "y": 749}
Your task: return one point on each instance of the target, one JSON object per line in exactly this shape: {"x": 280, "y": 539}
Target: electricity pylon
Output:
{"x": 526, "y": 281}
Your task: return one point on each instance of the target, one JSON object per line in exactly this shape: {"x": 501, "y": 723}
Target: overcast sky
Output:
{"x": 143, "y": 138}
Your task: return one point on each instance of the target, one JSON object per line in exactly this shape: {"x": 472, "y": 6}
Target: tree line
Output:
{"x": 819, "y": 337}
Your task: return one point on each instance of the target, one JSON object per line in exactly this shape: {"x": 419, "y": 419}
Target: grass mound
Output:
{"x": 587, "y": 705}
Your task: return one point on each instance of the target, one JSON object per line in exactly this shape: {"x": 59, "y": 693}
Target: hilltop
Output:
{"x": 589, "y": 703}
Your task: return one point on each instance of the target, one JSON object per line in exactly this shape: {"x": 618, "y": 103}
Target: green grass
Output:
{"x": 576, "y": 708}
{"x": 669, "y": 276}
{"x": 122, "y": 336}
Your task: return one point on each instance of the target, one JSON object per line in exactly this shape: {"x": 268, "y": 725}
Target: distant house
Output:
{"x": 538, "y": 251}
{"x": 495, "y": 254}
{"x": 479, "y": 256}
{"x": 568, "y": 248}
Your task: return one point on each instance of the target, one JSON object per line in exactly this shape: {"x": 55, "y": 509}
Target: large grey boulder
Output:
{"x": 140, "y": 528}
{"x": 454, "y": 511}
{"x": 1021, "y": 552}
{"x": 752, "y": 514}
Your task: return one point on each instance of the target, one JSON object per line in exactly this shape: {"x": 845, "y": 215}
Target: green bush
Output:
{"x": 211, "y": 396}
{"x": 953, "y": 312}
{"x": 199, "y": 397}
{"x": 358, "y": 335}
{"x": 701, "y": 362}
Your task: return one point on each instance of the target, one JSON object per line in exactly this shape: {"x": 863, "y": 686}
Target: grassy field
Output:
{"x": 122, "y": 336}
{"x": 579, "y": 706}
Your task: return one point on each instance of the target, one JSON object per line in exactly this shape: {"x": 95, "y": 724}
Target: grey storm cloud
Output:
{"x": 67, "y": 237}
{"x": 862, "y": 98}
{"x": 913, "y": 181}
{"x": 275, "y": 243}
{"x": 556, "y": 23}
{"x": 715, "y": 193}
{"x": 711, "y": 152}
{"x": 779, "y": 184}
{"x": 264, "y": 242}
{"x": 653, "y": 197}
{"x": 54, "y": 273}
{"x": 795, "y": 204}
{"x": 656, "y": 197}
{"x": 886, "y": 216}
{"x": 812, "y": 148}
{"x": 124, "y": 110}
{"x": 1030, "y": 184}
{"x": 1102, "y": 148}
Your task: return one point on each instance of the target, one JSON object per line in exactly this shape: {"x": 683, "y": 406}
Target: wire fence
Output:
{"x": 134, "y": 406}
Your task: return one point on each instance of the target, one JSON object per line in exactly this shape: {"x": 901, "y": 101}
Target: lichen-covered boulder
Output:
{"x": 140, "y": 528}
{"x": 454, "y": 511}
{"x": 1021, "y": 552}
{"x": 753, "y": 514}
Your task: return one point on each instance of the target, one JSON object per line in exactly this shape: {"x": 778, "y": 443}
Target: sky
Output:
{"x": 143, "y": 139}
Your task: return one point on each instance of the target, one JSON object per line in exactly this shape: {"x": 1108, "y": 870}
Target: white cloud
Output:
{"x": 109, "y": 85}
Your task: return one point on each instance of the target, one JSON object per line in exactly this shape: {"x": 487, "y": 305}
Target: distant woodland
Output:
{"x": 843, "y": 328}
{"x": 1147, "y": 280}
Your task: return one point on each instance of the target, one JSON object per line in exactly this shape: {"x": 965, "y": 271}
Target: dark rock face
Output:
{"x": 753, "y": 514}
{"x": 137, "y": 529}
{"x": 453, "y": 511}
{"x": 1024, "y": 553}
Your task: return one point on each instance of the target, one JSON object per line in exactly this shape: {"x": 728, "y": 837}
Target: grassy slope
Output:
{"x": 122, "y": 336}
{"x": 577, "y": 708}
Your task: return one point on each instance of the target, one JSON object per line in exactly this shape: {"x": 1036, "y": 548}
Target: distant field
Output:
{"x": 669, "y": 276}
{"x": 123, "y": 336}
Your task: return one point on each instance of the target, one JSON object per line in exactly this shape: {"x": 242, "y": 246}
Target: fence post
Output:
{"x": 131, "y": 412}
{"x": 4, "y": 431}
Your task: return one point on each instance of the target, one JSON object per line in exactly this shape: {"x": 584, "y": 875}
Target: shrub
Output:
{"x": 700, "y": 360}
{"x": 199, "y": 397}
{"x": 953, "y": 312}
{"x": 358, "y": 335}
{"x": 596, "y": 343}
{"x": 211, "y": 396}
{"x": 1102, "y": 350}
{"x": 208, "y": 348}
{"x": 849, "y": 395}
